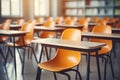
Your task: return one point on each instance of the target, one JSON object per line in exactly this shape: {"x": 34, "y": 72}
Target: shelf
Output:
{"x": 99, "y": 8}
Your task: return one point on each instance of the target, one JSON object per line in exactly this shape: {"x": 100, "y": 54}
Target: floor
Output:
{"x": 7, "y": 72}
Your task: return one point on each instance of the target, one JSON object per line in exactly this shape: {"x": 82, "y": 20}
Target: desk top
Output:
{"x": 15, "y": 25}
{"x": 12, "y": 33}
{"x": 72, "y": 45}
{"x": 103, "y": 36}
{"x": 116, "y": 30}
{"x": 48, "y": 28}
{"x": 69, "y": 26}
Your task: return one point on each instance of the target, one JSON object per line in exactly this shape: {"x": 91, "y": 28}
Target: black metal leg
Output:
{"x": 66, "y": 75}
{"x": 34, "y": 54}
{"x": 1, "y": 52}
{"x": 23, "y": 62}
{"x": 111, "y": 67}
{"x": 76, "y": 72}
{"x": 14, "y": 56}
{"x": 105, "y": 68}
{"x": 113, "y": 50}
{"x": 38, "y": 74}
{"x": 46, "y": 51}
{"x": 88, "y": 66}
{"x": 55, "y": 77}
{"x": 98, "y": 66}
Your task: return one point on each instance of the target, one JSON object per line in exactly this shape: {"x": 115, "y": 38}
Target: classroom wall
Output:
{"x": 55, "y": 9}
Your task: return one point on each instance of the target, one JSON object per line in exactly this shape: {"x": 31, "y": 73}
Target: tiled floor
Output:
{"x": 31, "y": 69}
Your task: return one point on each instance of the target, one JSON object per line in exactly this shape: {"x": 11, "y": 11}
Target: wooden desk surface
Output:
{"x": 12, "y": 33}
{"x": 69, "y": 26}
{"x": 72, "y": 45}
{"x": 103, "y": 36}
{"x": 42, "y": 28}
{"x": 116, "y": 30}
{"x": 15, "y": 27}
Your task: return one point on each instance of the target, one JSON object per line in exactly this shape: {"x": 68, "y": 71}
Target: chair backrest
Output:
{"x": 75, "y": 19}
{"x": 40, "y": 20}
{"x": 95, "y": 19}
{"x": 84, "y": 22}
{"x": 28, "y": 27}
{"x": 50, "y": 19}
{"x": 103, "y": 29}
{"x": 32, "y": 21}
{"x": 4, "y": 26}
{"x": 58, "y": 20}
{"x": 117, "y": 25}
{"x": 20, "y": 21}
{"x": 106, "y": 18}
{"x": 8, "y": 20}
{"x": 69, "y": 21}
{"x": 48, "y": 34}
{"x": 69, "y": 57}
{"x": 101, "y": 22}
{"x": 49, "y": 23}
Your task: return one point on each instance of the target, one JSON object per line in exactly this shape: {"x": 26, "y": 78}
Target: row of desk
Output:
{"x": 83, "y": 46}
{"x": 58, "y": 27}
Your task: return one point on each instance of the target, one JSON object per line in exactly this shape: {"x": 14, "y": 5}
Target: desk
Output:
{"x": 42, "y": 28}
{"x": 69, "y": 26}
{"x": 13, "y": 34}
{"x": 15, "y": 27}
{"x": 115, "y": 37}
{"x": 72, "y": 45}
{"x": 95, "y": 23}
{"x": 116, "y": 30}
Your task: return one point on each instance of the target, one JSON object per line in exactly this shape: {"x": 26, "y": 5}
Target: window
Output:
{"x": 11, "y": 8}
{"x": 41, "y": 7}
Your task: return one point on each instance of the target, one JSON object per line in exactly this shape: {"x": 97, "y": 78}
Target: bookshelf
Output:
{"x": 90, "y": 8}
{"x": 117, "y": 8}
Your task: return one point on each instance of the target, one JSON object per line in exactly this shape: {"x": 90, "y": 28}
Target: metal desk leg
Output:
{"x": 38, "y": 76}
{"x": 88, "y": 65}
{"x": 14, "y": 57}
{"x": 98, "y": 65}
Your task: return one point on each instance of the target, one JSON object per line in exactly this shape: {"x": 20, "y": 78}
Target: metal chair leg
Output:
{"x": 66, "y": 75}
{"x": 55, "y": 77}
{"x": 112, "y": 67}
{"x": 98, "y": 66}
{"x": 38, "y": 76}
{"x": 78, "y": 73}
{"x": 23, "y": 62}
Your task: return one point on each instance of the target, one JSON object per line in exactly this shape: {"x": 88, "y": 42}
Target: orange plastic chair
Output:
{"x": 101, "y": 22}
{"x": 117, "y": 25}
{"x": 69, "y": 21}
{"x": 32, "y": 21}
{"x": 106, "y": 18}
{"x": 75, "y": 19}
{"x": 25, "y": 42}
{"x": 20, "y": 21}
{"x": 64, "y": 60}
{"x": 8, "y": 20}
{"x": 84, "y": 22}
{"x": 50, "y": 19}
{"x": 48, "y": 34}
{"x": 59, "y": 20}
{"x": 40, "y": 21}
{"x": 105, "y": 50}
{"x": 95, "y": 19}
